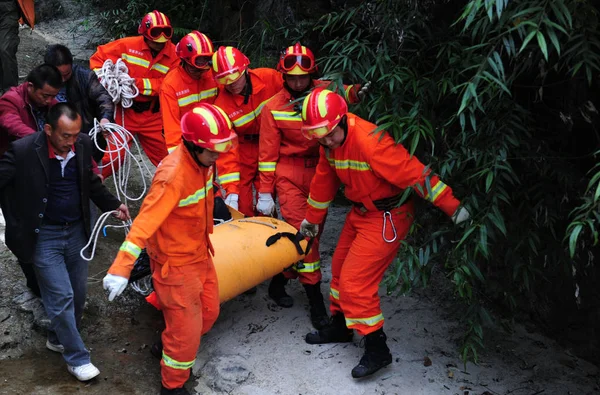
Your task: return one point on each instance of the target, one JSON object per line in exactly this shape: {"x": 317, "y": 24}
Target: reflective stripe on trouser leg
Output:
{"x": 293, "y": 184}
{"x": 248, "y": 155}
{"x": 186, "y": 306}
{"x": 364, "y": 266}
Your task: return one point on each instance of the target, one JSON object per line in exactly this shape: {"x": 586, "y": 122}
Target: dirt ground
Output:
{"x": 257, "y": 347}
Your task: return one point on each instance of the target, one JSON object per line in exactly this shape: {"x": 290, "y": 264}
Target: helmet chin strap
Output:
{"x": 193, "y": 149}
{"x": 247, "y": 87}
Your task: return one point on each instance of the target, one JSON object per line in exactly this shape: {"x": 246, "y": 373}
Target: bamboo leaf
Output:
{"x": 554, "y": 39}
{"x": 527, "y": 39}
{"x": 542, "y": 43}
{"x": 573, "y": 239}
{"x": 466, "y": 235}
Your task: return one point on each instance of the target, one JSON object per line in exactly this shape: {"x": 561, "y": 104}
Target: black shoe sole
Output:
{"x": 315, "y": 338}
{"x": 284, "y": 301}
{"x": 369, "y": 372}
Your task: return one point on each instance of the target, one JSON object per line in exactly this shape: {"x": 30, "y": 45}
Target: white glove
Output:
{"x": 232, "y": 201}
{"x": 363, "y": 90}
{"x": 115, "y": 285}
{"x": 461, "y": 215}
{"x": 266, "y": 204}
{"x": 308, "y": 229}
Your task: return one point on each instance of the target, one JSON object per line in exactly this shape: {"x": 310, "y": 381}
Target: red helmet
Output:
{"x": 195, "y": 49}
{"x": 155, "y": 26}
{"x": 229, "y": 64}
{"x": 207, "y": 126}
{"x": 322, "y": 110}
{"x": 297, "y": 60}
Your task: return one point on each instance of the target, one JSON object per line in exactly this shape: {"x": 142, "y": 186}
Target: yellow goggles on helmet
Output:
{"x": 225, "y": 146}
{"x": 316, "y": 133}
{"x": 229, "y": 78}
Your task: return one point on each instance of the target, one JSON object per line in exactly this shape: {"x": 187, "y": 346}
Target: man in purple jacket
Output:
{"x": 23, "y": 112}
{"x": 23, "y": 108}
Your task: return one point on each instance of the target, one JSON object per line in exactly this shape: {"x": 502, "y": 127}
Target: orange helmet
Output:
{"x": 229, "y": 64}
{"x": 195, "y": 49}
{"x": 155, "y": 26}
{"x": 207, "y": 126}
{"x": 322, "y": 110}
{"x": 297, "y": 60}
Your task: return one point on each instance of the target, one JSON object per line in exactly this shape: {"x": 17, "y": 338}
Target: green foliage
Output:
{"x": 457, "y": 91}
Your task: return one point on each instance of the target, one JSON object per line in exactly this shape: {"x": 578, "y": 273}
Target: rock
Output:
{"x": 226, "y": 372}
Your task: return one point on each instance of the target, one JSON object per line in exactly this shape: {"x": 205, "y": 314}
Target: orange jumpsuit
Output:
{"x": 371, "y": 167}
{"x": 174, "y": 224}
{"x": 287, "y": 163}
{"x": 149, "y": 73}
{"x": 179, "y": 93}
{"x": 265, "y": 84}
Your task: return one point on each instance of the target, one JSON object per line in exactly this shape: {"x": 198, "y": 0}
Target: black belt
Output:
{"x": 250, "y": 137}
{"x": 385, "y": 204}
{"x": 142, "y": 106}
{"x": 48, "y": 221}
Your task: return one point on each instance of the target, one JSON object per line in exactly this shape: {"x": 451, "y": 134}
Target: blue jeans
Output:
{"x": 62, "y": 276}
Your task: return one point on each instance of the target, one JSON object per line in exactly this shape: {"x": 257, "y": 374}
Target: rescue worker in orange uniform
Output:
{"x": 149, "y": 57}
{"x": 243, "y": 97}
{"x": 174, "y": 224}
{"x": 190, "y": 83}
{"x": 287, "y": 163}
{"x": 374, "y": 171}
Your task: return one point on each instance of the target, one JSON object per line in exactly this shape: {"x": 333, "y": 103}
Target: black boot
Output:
{"x": 277, "y": 291}
{"x": 318, "y": 314}
{"x": 334, "y": 332}
{"x": 377, "y": 355}
{"x": 174, "y": 391}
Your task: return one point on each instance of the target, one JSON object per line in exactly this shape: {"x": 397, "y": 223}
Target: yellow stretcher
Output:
{"x": 249, "y": 251}
{"x": 242, "y": 258}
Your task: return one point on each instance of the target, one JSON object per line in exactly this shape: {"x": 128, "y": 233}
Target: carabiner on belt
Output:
{"x": 387, "y": 216}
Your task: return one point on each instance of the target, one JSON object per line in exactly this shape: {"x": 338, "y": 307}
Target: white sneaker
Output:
{"x": 55, "y": 347}
{"x": 84, "y": 372}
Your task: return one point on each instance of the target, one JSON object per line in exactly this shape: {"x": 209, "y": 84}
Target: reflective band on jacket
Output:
{"x": 147, "y": 87}
{"x": 135, "y": 60}
{"x": 196, "y": 97}
{"x": 286, "y": 116}
{"x": 349, "y": 164}
{"x": 436, "y": 191}
{"x": 309, "y": 267}
{"x": 334, "y": 293}
{"x": 171, "y": 149}
{"x": 229, "y": 177}
{"x": 170, "y": 362}
{"x": 371, "y": 321}
{"x": 131, "y": 248}
{"x": 319, "y": 205}
{"x": 267, "y": 166}
{"x": 160, "y": 68}
{"x": 198, "y": 195}
{"x": 247, "y": 118}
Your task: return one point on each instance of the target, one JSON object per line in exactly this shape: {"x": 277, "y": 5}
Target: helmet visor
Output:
{"x": 202, "y": 62}
{"x": 229, "y": 78}
{"x": 157, "y": 31}
{"x": 305, "y": 62}
{"x": 225, "y": 146}
{"x": 316, "y": 133}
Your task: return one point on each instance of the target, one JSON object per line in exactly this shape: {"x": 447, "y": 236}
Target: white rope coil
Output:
{"x": 115, "y": 78}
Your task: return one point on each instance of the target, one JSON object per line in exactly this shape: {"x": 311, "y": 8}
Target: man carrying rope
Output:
{"x": 141, "y": 63}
